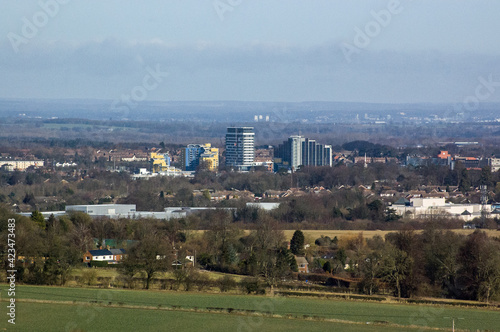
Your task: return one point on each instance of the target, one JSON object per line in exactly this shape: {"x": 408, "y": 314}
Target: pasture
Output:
{"x": 314, "y": 234}
{"x": 43, "y": 308}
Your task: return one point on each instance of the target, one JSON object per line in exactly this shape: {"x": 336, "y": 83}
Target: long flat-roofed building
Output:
{"x": 20, "y": 165}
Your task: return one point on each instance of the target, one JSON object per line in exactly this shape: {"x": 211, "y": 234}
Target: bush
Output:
{"x": 226, "y": 283}
{"x": 203, "y": 282}
{"x": 89, "y": 277}
{"x": 180, "y": 276}
{"x": 250, "y": 285}
{"x": 192, "y": 276}
{"x": 98, "y": 264}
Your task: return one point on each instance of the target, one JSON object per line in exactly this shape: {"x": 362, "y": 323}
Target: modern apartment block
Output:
{"x": 494, "y": 163}
{"x": 160, "y": 161}
{"x": 300, "y": 151}
{"x": 193, "y": 154}
{"x": 20, "y": 165}
{"x": 240, "y": 150}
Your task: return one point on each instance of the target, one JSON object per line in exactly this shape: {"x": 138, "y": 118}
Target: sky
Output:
{"x": 252, "y": 50}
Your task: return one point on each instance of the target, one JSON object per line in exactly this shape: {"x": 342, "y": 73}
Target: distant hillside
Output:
{"x": 237, "y": 111}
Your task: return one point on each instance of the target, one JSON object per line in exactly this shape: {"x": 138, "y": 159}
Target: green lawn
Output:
{"x": 302, "y": 308}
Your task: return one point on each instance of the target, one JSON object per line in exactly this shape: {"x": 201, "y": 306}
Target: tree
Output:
{"x": 485, "y": 177}
{"x": 206, "y": 194}
{"x": 340, "y": 260}
{"x": 440, "y": 259}
{"x": 370, "y": 268}
{"x": 465, "y": 183}
{"x": 184, "y": 197}
{"x": 52, "y": 222}
{"x": 376, "y": 210}
{"x": 221, "y": 236}
{"x": 327, "y": 267}
{"x": 39, "y": 219}
{"x": 395, "y": 266}
{"x": 151, "y": 255}
{"x": 275, "y": 267}
{"x": 128, "y": 269}
{"x": 391, "y": 215}
{"x": 479, "y": 275}
{"x": 81, "y": 237}
{"x": 297, "y": 243}
{"x": 29, "y": 199}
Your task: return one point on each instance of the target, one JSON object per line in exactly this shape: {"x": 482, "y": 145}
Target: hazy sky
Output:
{"x": 286, "y": 50}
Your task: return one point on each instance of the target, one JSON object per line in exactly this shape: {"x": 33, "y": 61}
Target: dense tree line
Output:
{"x": 434, "y": 262}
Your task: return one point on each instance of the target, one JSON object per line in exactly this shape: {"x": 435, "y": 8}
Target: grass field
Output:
{"x": 127, "y": 310}
{"x": 58, "y": 317}
{"x": 314, "y": 234}
{"x": 114, "y": 273}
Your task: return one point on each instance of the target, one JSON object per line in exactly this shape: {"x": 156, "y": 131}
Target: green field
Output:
{"x": 58, "y": 317}
{"x": 125, "y": 310}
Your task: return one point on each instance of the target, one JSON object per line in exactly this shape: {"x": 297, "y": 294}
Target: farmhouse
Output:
{"x": 302, "y": 264}
{"x": 111, "y": 256}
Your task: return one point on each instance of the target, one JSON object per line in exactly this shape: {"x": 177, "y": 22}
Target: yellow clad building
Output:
{"x": 160, "y": 162}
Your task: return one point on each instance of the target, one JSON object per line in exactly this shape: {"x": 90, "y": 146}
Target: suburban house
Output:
{"x": 302, "y": 264}
{"x": 112, "y": 256}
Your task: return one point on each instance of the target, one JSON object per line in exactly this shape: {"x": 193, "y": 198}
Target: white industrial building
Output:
{"x": 268, "y": 206}
{"x": 129, "y": 211}
{"x": 428, "y": 207}
{"x": 118, "y": 210}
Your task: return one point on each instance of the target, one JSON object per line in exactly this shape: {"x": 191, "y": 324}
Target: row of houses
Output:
{"x": 115, "y": 256}
{"x": 444, "y": 158}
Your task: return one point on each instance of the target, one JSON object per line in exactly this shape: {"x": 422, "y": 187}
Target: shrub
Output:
{"x": 192, "y": 276}
{"x": 98, "y": 264}
{"x": 250, "y": 285}
{"x": 89, "y": 277}
{"x": 203, "y": 282}
{"x": 226, "y": 283}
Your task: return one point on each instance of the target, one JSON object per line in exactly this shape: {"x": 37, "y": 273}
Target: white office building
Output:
{"x": 240, "y": 150}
